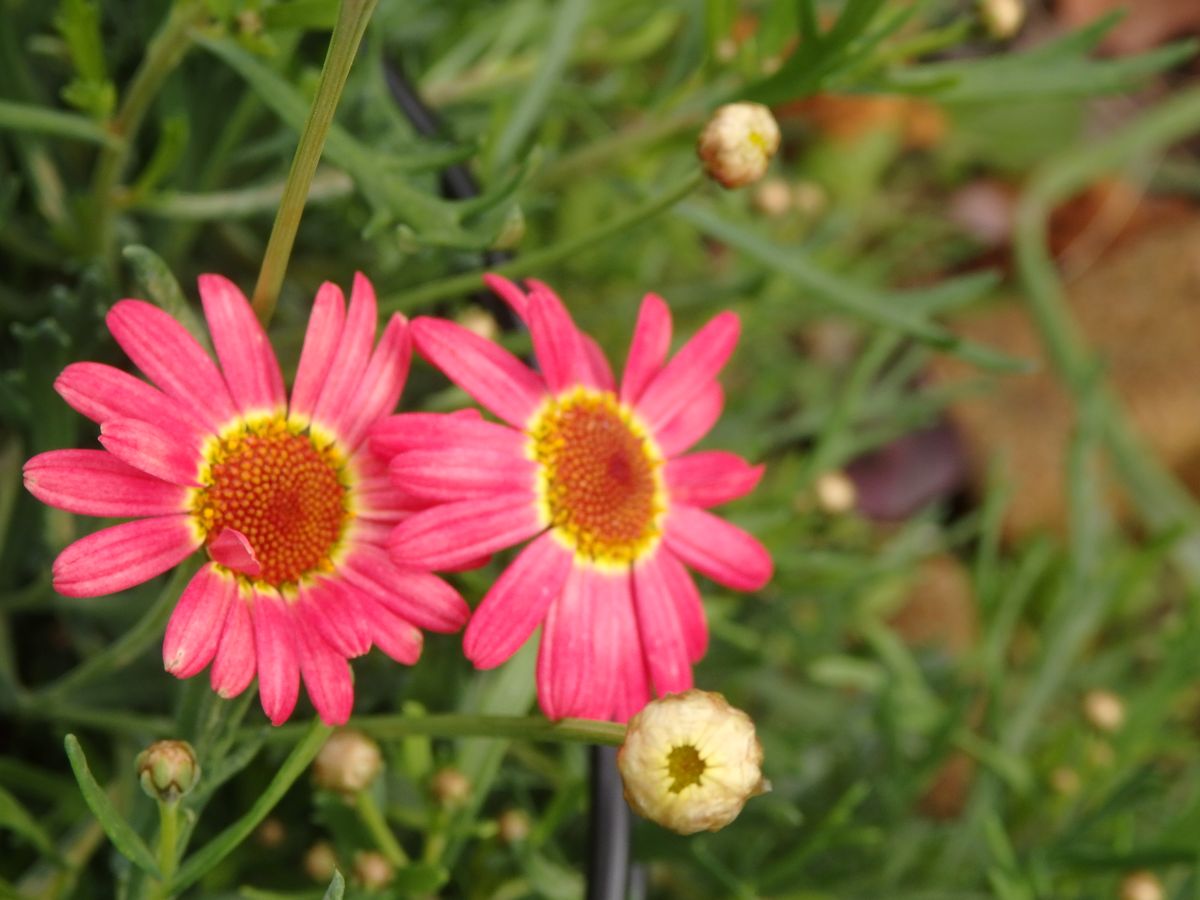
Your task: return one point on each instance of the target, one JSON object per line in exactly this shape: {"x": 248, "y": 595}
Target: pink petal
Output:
{"x": 693, "y": 421}
{"x": 557, "y": 343}
{"x": 565, "y": 667}
{"x": 353, "y": 353}
{"x": 696, "y": 364}
{"x": 153, "y": 450}
{"x": 489, "y": 373}
{"x": 198, "y": 621}
{"x": 601, "y": 374}
{"x": 610, "y": 590}
{"x": 455, "y": 533}
{"x": 332, "y": 610}
{"x": 275, "y": 649}
{"x": 171, "y": 358}
{"x": 96, "y": 483}
{"x": 249, "y": 363}
{"x": 418, "y": 597}
{"x": 232, "y": 549}
{"x": 632, "y": 685}
{"x": 320, "y": 344}
{"x": 710, "y": 478}
{"x": 456, "y": 473}
{"x": 715, "y": 548}
{"x": 102, "y": 393}
{"x": 437, "y": 431}
{"x": 234, "y": 665}
{"x": 689, "y": 607}
{"x": 508, "y": 292}
{"x": 393, "y": 635}
{"x": 119, "y": 557}
{"x": 327, "y": 677}
{"x": 663, "y": 643}
{"x": 381, "y": 384}
{"x": 648, "y": 349}
{"x": 517, "y": 602}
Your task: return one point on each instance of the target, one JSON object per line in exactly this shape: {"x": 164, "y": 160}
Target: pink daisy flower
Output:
{"x": 597, "y": 476}
{"x": 290, "y": 506}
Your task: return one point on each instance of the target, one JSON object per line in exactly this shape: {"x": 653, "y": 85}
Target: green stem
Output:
{"x": 163, "y": 54}
{"x": 1159, "y": 499}
{"x": 129, "y": 646}
{"x": 32, "y": 119}
{"x": 540, "y": 259}
{"x": 168, "y": 839}
{"x": 373, "y": 818}
{"x": 353, "y": 16}
{"x": 533, "y": 728}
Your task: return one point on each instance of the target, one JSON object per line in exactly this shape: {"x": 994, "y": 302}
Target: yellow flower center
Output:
{"x": 283, "y": 492}
{"x": 684, "y": 766}
{"x": 600, "y": 477}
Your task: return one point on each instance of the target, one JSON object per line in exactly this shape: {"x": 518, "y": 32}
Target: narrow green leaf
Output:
{"x": 32, "y": 119}
{"x": 337, "y": 887}
{"x": 15, "y": 817}
{"x": 120, "y": 832}
{"x": 228, "y": 840}
{"x": 859, "y": 300}
{"x": 420, "y": 879}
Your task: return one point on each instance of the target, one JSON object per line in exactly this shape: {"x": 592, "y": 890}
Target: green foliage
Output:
{"x": 142, "y": 148}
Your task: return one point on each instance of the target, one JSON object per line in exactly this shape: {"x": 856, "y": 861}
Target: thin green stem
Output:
{"x": 163, "y": 54}
{"x": 31, "y": 119}
{"x": 540, "y": 259}
{"x": 129, "y": 646}
{"x": 168, "y": 840}
{"x": 353, "y": 16}
{"x": 373, "y": 818}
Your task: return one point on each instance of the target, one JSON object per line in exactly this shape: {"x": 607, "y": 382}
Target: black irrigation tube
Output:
{"x": 610, "y": 874}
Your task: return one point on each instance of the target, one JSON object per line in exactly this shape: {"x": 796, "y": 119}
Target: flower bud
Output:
{"x": 738, "y": 143}
{"x": 372, "y": 870}
{"x": 690, "y": 762}
{"x": 1002, "y": 18}
{"x": 1141, "y": 886}
{"x": 1104, "y": 710}
{"x": 773, "y": 197}
{"x": 348, "y": 762}
{"x": 512, "y": 826}
{"x": 450, "y": 787}
{"x": 836, "y": 493}
{"x": 320, "y": 862}
{"x": 168, "y": 770}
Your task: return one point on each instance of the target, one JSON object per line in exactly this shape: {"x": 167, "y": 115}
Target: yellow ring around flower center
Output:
{"x": 600, "y": 485}
{"x": 286, "y": 494}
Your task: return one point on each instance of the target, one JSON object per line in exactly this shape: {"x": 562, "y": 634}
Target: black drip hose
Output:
{"x": 610, "y": 875}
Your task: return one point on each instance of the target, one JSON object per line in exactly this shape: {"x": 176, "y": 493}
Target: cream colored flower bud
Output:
{"x": 1141, "y": 886}
{"x": 1104, "y": 710}
{"x": 348, "y": 762}
{"x": 450, "y": 787}
{"x": 478, "y": 321}
{"x": 738, "y": 143}
{"x": 690, "y": 762}
{"x": 168, "y": 770}
{"x": 1003, "y": 18}
{"x": 320, "y": 862}
{"x": 372, "y": 870}
{"x": 836, "y": 493}
{"x": 773, "y": 197}
{"x": 512, "y": 826}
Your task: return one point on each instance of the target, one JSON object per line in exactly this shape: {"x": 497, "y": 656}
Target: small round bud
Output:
{"x": 450, "y": 787}
{"x": 372, "y": 870}
{"x": 348, "y": 762}
{"x": 690, "y": 762}
{"x": 271, "y": 833}
{"x": 478, "y": 321}
{"x": 1002, "y": 18}
{"x": 836, "y": 493}
{"x": 773, "y": 197}
{"x": 738, "y": 143}
{"x": 1065, "y": 781}
{"x": 1141, "y": 886}
{"x": 809, "y": 198}
{"x": 320, "y": 861}
{"x": 1104, "y": 710}
{"x": 168, "y": 770}
{"x": 512, "y": 826}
